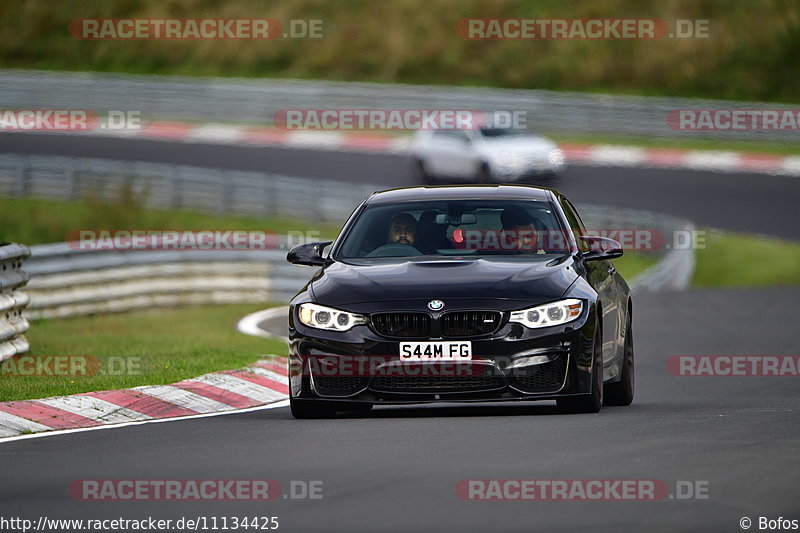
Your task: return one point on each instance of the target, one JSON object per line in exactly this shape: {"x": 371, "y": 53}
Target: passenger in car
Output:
{"x": 519, "y": 230}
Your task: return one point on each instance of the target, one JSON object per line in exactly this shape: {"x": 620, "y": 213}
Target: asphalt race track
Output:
{"x": 746, "y": 202}
{"x": 396, "y": 469}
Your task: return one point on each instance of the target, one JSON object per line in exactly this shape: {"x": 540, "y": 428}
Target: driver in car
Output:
{"x": 403, "y": 229}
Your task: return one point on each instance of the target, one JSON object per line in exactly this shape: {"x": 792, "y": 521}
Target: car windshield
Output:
{"x": 455, "y": 228}
{"x": 493, "y": 133}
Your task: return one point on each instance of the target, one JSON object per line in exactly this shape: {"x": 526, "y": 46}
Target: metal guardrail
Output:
{"x": 12, "y": 324}
{"x": 675, "y": 267}
{"x": 167, "y": 186}
{"x": 67, "y": 281}
{"x": 257, "y": 100}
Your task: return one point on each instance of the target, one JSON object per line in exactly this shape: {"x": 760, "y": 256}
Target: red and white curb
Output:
{"x": 265, "y": 383}
{"x": 714, "y": 160}
{"x": 583, "y": 154}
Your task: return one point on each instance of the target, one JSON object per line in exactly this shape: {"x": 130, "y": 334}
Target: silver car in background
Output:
{"x": 485, "y": 155}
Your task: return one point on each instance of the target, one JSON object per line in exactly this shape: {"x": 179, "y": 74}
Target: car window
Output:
{"x": 452, "y": 135}
{"x": 575, "y": 222}
{"x": 478, "y": 228}
{"x": 491, "y": 133}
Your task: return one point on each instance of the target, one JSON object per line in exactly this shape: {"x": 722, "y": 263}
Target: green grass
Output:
{"x": 35, "y": 221}
{"x": 751, "y": 53}
{"x": 165, "y": 346}
{"x": 738, "y": 260}
{"x": 634, "y": 263}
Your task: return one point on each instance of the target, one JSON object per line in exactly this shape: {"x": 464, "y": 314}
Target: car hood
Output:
{"x": 532, "y": 280}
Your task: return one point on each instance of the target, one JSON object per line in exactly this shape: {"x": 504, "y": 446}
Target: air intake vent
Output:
{"x": 470, "y": 323}
{"x": 406, "y": 325}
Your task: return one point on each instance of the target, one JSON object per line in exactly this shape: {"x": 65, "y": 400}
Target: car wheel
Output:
{"x": 484, "y": 174}
{"x": 592, "y": 402}
{"x": 621, "y": 392}
{"x": 544, "y": 179}
{"x": 551, "y": 179}
{"x": 310, "y": 409}
{"x": 421, "y": 173}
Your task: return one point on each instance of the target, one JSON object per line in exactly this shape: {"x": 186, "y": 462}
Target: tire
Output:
{"x": 592, "y": 402}
{"x": 621, "y": 392}
{"x": 545, "y": 179}
{"x": 310, "y": 409}
{"x": 551, "y": 179}
{"x": 484, "y": 174}
{"x": 421, "y": 173}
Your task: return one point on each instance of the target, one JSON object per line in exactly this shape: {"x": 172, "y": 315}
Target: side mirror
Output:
{"x": 308, "y": 254}
{"x": 600, "y": 248}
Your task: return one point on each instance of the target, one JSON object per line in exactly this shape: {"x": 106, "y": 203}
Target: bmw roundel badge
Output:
{"x": 435, "y": 305}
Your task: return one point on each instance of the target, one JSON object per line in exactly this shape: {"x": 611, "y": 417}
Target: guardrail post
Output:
{"x": 72, "y": 180}
{"x": 22, "y": 177}
{"x": 318, "y": 192}
{"x": 270, "y": 195}
{"x": 225, "y": 193}
{"x": 174, "y": 190}
{"x": 12, "y": 324}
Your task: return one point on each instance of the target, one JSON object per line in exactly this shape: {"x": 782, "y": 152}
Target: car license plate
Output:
{"x": 436, "y": 351}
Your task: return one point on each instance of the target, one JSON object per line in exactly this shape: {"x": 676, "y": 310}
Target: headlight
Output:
{"x": 321, "y": 317}
{"x": 552, "y": 314}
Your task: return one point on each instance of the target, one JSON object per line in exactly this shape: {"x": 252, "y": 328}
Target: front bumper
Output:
{"x": 526, "y": 168}
{"x": 514, "y": 363}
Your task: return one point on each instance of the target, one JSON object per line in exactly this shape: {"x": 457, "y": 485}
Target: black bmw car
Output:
{"x": 461, "y": 294}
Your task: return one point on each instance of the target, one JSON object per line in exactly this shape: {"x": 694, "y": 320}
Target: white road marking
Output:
{"x": 315, "y": 139}
{"x": 711, "y": 160}
{"x": 617, "y": 155}
{"x": 94, "y": 408}
{"x": 269, "y": 374}
{"x": 240, "y": 386}
{"x": 217, "y": 133}
{"x": 184, "y": 398}
{"x": 249, "y": 324}
{"x": 14, "y": 425}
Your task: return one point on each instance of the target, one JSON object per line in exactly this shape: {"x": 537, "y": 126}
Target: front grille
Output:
{"x": 338, "y": 385}
{"x": 402, "y": 324}
{"x": 481, "y": 381}
{"x": 547, "y": 377}
{"x": 470, "y": 323}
